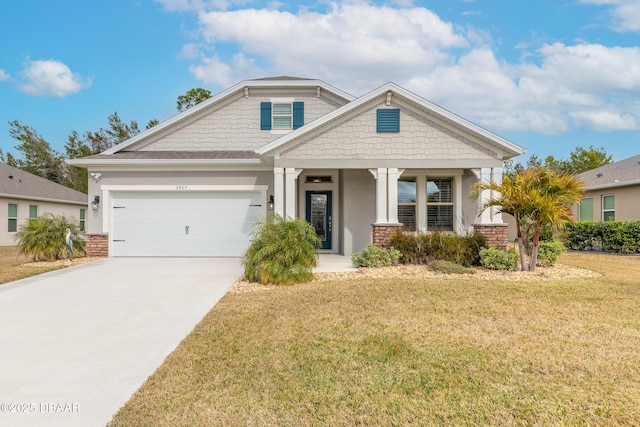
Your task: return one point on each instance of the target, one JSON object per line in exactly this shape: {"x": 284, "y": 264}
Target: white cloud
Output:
{"x": 358, "y": 46}
{"x": 4, "y": 76}
{"x": 51, "y": 78}
{"x": 625, "y": 13}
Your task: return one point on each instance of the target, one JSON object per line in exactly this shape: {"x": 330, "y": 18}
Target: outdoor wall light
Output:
{"x": 95, "y": 203}
{"x": 271, "y": 202}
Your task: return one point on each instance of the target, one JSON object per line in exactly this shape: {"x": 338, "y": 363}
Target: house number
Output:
{"x": 181, "y": 187}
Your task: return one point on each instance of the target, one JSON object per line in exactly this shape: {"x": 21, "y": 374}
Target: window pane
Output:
{"x": 13, "y": 210}
{"x": 440, "y": 190}
{"x": 13, "y": 225}
{"x": 282, "y": 122}
{"x": 608, "y": 202}
{"x": 609, "y": 216}
{"x": 440, "y": 218}
{"x": 33, "y": 211}
{"x": 81, "y": 213}
{"x": 281, "y": 109}
{"x": 407, "y": 216}
{"x": 407, "y": 190}
{"x": 586, "y": 210}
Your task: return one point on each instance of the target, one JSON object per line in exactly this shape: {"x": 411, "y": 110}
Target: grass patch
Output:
{"x": 394, "y": 352}
{"x": 14, "y": 266}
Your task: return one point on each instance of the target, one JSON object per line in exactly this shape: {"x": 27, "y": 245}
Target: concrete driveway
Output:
{"x": 76, "y": 343}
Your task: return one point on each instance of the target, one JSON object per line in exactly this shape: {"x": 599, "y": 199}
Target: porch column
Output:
{"x": 290, "y": 188}
{"x": 457, "y": 191}
{"x": 485, "y": 176}
{"x": 278, "y": 191}
{"x": 392, "y": 191}
{"x": 496, "y": 176}
{"x": 380, "y": 174}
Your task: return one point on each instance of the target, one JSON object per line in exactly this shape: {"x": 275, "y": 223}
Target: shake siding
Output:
{"x": 419, "y": 137}
{"x": 236, "y": 125}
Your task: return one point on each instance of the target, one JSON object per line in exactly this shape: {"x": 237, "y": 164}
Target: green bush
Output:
{"x": 422, "y": 248}
{"x": 43, "y": 238}
{"x": 610, "y": 236}
{"x": 373, "y": 256}
{"x": 498, "y": 259}
{"x": 548, "y": 252}
{"x": 449, "y": 267}
{"x": 282, "y": 251}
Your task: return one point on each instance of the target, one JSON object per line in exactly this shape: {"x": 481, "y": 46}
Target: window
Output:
{"x": 13, "y": 218}
{"x": 33, "y": 211}
{"x": 82, "y": 220}
{"x": 407, "y": 203}
{"x": 388, "y": 120}
{"x": 440, "y": 204}
{"x": 585, "y": 210}
{"x": 609, "y": 208}
{"x": 281, "y": 115}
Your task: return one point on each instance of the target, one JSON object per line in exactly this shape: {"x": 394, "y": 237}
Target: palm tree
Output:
{"x": 538, "y": 196}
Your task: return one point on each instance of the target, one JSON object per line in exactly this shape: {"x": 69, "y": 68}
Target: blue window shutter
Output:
{"x": 265, "y": 116}
{"x": 298, "y": 114}
{"x": 388, "y": 120}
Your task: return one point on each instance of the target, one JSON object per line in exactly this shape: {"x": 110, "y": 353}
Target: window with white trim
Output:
{"x": 434, "y": 206}
{"x": 585, "y": 210}
{"x": 282, "y": 115}
{"x": 407, "y": 203}
{"x": 33, "y": 211}
{"x": 609, "y": 208}
{"x": 440, "y": 204}
{"x": 82, "y": 219}
{"x": 13, "y": 218}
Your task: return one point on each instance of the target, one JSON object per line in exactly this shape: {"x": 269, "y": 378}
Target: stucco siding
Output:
{"x": 359, "y": 208}
{"x": 235, "y": 123}
{"x": 70, "y": 211}
{"x": 419, "y": 138}
{"x": 626, "y": 203}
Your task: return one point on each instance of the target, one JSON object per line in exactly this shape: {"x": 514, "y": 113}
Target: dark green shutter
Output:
{"x": 388, "y": 120}
{"x": 265, "y": 116}
{"x": 298, "y": 114}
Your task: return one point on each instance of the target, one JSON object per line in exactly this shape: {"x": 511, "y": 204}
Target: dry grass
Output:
{"x": 428, "y": 351}
{"x": 14, "y": 266}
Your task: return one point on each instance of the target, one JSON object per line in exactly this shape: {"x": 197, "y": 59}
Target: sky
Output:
{"x": 549, "y": 75}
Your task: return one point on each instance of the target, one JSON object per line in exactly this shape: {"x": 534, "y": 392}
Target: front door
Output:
{"x": 319, "y": 215}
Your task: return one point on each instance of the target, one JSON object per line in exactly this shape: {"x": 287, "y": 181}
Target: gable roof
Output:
{"x": 443, "y": 115}
{"x": 18, "y": 184}
{"x": 618, "y": 174}
{"x": 272, "y": 82}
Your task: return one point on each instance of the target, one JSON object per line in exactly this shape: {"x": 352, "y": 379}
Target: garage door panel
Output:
{"x": 183, "y": 224}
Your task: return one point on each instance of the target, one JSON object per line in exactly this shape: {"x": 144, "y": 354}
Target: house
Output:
{"x": 612, "y": 192}
{"x": 24, "y": 195}
{"x": 355, "y": 168}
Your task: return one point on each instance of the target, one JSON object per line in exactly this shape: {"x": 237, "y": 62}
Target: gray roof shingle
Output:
{"x": 613, "y": 174}
{"x": 16, "y": 182}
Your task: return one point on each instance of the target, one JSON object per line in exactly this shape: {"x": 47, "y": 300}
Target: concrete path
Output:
{"x": 76, "y": 343}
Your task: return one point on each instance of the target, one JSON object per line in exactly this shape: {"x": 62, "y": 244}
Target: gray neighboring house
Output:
{"x": 24, "y": 195}
{"x": 612, "y": 192}
{"x": 355, "y": 168}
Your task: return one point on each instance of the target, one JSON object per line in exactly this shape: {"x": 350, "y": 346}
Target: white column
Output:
{"x": 290, "y": 189}
{"x": 496, "y": 176}
{"x": 457, "y": 193}
{"x": 485, "y": 176}
{"x": 392, "y": 191}
{"x": 380, "y": 174}
{"x": 278, "y": 190}
{"x": 421, "y": 203}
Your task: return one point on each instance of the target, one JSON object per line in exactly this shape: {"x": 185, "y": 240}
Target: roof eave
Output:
{"x": 161, "y": 162}
{"x": 44, "y": 199}
{"x": 613, "y": 185}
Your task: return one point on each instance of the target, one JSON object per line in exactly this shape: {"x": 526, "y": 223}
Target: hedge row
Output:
{"x": 422, "y": 248}
{"x": 610, "y": 236}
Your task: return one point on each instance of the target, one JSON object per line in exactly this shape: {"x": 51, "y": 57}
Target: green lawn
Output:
{"x": 14, "y": 266}
{"x": 402, "y": 351}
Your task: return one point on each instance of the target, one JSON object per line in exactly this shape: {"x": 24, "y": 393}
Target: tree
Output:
{"x": 118, "y": 131}
{"x": 581, "y": 160}
{"x": 537, "y": 197}
{"x": 77, "y": 178}
{"x": 192, "y": 98}
{"x": 152, "y": 123}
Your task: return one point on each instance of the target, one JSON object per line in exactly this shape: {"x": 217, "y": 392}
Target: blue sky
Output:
{"x": 548, "y": 75}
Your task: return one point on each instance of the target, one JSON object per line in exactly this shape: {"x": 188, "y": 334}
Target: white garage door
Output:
{"x": 183, "y": 224}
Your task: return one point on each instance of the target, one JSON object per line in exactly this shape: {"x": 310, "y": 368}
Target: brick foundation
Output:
{"x": 495, "y": 235}
{"x": 97, "y": 245}
{"x": 382, "y": 234}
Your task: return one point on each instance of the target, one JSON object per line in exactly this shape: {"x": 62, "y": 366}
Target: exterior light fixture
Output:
{"x": 95, "y": 203}
{"x": 271, "y": 202}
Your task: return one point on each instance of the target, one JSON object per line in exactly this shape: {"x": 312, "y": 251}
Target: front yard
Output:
{"x": 14, "y": 266}
{"x": 397, "y": 351}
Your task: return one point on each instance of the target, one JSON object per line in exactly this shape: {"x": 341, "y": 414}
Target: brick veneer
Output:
{"x": 97, "y": 245}
{"x": 495, "y": 235}
{"x": 382, "y": 233}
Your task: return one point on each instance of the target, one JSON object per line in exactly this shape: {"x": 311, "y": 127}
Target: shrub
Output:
{"x": 373, "y": 256}
{"x": 609, "y": 236}
{"x": 43, "y": 238}
{"x": 548, "y": 252}
{"x": 449, "y": 267}
{"x": 498, "y": 259}
{"x": 422, "y": 248}
{"x": 282, "y": 251}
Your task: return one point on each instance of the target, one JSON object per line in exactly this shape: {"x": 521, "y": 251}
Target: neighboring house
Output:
{"x": 24, "y": 195}
{"x": 612, "y": 192}
{"x": 355, "y": 168}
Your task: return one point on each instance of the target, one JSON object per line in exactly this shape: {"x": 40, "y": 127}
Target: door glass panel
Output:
{"x": 319, "y": 215}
